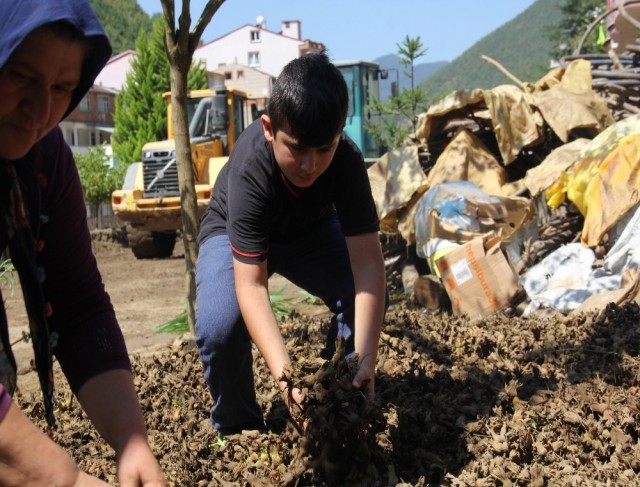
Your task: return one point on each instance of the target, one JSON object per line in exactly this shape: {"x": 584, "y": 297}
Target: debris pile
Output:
{"x": 555, "y": 159}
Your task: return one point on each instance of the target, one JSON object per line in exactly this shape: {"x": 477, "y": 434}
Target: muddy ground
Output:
{"x": 509, "y": 401}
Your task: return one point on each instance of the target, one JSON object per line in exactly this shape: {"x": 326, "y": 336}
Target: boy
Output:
{"x": 294, "y": 198}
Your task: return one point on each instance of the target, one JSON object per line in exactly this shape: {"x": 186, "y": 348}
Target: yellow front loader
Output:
{"x": 149, "y": 201}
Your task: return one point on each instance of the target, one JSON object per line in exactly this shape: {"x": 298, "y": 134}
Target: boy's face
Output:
{"x": 301, "y": 165}
{"x": 36, "y": 86}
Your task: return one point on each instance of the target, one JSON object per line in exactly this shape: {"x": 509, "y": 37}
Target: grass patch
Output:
{"x": 309, "y": 298}
{"x": 280, "y": 305}
{"x": 179, "y": 324}
{"x": 6, "y": 275}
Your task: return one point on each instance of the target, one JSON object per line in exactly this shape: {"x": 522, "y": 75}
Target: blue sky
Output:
{"x": 367, "y": 29}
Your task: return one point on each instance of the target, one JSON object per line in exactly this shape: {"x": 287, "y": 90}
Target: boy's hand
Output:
{"x": 293, "y": 400}
{"x": 365, "y": 377}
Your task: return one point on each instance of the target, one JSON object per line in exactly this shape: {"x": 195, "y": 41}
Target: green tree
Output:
{"x": 141, "y": 112}
{"x": 572, "y": 24}
{"x": 122, "y": 20}
{"x": 98, "y": 178}
{"x": 399, "y": 113}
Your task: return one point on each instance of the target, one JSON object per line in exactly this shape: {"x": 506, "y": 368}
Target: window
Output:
{"x": 103, "y": 104}
{"x": 84, "y": 106}
{"x": 255, "y": 36}
{"x": 240, "y": 75}
{"x": 254, "y": 58}
{"x": 227, "y": 75}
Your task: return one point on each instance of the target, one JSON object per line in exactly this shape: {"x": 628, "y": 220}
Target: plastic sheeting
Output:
{"x": 564, "y": 280}
{"x": 604, "y": 183}
{"x": 467, "y": 159}
{"x": 563, "y": 100}
{"x": 459, "y": 211}
{"x": 397, "y": 182}
{"x": 515, "y": 123}
{"x": 547, "y": 173}
{"x": 571, "y": 103}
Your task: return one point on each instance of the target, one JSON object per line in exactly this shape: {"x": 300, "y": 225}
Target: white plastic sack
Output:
{"x": 564, "y": 279}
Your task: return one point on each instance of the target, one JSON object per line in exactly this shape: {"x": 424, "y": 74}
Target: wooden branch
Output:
{"x": 210, "y": 9}
{"x": 631, "y": 108}
{"x": 168, "y": 8}
{"x": 503, "y": 70}
{"x": 184, "y": 26}
{"x": 615, "y": 59}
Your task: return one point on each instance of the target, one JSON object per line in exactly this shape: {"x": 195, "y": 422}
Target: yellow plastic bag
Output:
{"x": 604, "y": 183}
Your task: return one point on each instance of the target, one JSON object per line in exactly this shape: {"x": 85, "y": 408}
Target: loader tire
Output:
{"x": 151, "y": 245}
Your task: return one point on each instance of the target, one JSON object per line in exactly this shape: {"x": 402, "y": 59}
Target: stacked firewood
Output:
{"x": 616, "y": 74}
{"x": 616, "y": 78}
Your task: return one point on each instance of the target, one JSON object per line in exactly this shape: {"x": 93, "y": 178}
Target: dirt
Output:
{"x": 507, "y": 401}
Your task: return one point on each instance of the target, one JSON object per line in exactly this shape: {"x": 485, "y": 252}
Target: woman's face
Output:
{"x": 36, "y": 85}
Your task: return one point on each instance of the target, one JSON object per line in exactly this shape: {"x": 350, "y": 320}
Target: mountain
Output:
{"x": 122, "y": 21}
{"x": 521, "y": 46}
{"x": 395, "y": 70}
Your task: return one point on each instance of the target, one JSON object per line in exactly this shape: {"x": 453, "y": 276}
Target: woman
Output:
{"x": 50, "y": 53}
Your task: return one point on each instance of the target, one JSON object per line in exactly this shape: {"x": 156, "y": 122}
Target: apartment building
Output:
{"x": 91, "y": 123}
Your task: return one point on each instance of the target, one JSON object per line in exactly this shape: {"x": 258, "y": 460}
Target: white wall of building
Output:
{"x": 274, "y": 50}
{"x": 252, "y": 81}
{"x": 114, "y": 74}
{"x": 291, "y": 28}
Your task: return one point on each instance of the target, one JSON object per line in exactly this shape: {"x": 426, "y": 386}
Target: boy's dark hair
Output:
{"x": 309, "y": 100}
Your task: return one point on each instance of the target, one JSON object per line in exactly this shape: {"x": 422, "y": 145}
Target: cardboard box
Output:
{"x": 479, "y": 278}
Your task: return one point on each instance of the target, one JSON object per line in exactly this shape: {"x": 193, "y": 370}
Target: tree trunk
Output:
{"x": 180, "y": 44}
{"x": 186, "y": 182}
{"x": 94, "y": 213}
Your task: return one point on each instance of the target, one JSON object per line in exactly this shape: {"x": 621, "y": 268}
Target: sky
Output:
{"x": 366, "y": 29}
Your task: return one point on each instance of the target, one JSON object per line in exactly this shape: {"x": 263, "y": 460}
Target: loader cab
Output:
{"x": 362, "y": 78}
{"x": 221, "y": 114}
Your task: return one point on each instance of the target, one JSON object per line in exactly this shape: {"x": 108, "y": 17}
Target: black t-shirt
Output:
{"x": 254, "y": 203}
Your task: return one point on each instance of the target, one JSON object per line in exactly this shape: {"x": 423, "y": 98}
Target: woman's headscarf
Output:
{"x": 20, "y": 17}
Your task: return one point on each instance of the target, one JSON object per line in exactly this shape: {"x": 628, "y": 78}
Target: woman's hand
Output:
{"x": 112, "y": 405}
{"x": 137, "y": 466}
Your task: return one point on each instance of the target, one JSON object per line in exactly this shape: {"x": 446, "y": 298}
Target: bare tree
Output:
{"x": 180, "y": 43}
